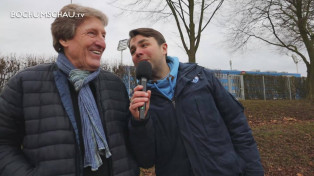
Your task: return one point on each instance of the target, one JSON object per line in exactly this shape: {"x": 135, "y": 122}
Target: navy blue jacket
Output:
{"x": 211, "y": 124}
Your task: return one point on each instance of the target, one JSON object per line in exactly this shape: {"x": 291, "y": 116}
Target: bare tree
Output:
{"x": 191, "y": 17}
{"x": 287, "y": 24}
{"x": 11, "y": 64}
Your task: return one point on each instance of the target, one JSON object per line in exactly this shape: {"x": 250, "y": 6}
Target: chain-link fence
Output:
{"x": 263, "y": 87}
{"x": 233, "y": 83}
{"x": 274, "y": 87}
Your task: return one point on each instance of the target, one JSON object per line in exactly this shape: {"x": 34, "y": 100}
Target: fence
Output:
{"x": 233, "y": 83}
{"x": 264, "y": 87}
{"x": 274, "y": 87}
{"x": 245, "y": 86}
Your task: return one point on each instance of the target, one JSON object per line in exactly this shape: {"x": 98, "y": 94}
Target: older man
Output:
{"x": 70, "y": 117}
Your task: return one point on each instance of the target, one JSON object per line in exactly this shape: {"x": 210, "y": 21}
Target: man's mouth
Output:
{"x": 97, "y": 52}
{"x": 143, "y": 59}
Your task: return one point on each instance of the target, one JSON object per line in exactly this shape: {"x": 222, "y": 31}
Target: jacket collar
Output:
{"x": 187, "y": 72}
{"x": 166, "y": 86}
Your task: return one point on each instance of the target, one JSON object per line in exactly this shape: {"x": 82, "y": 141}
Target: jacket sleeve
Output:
{"x": 12, "y": 159}
{"x": 241, "y": 135}
{"x": 142, "y": 141}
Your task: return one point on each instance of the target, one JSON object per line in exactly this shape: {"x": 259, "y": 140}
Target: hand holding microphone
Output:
{"x": 140, "y": 99}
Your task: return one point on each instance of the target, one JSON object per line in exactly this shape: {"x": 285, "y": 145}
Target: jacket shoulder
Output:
{"x": 40, "y": 67}
{"x": 209, "y": 73}
{"x": 106, "y": 75}
{"x": 37, "y": 72}
{"x": 34, "y": 73}
{"x": 111, "y": 82}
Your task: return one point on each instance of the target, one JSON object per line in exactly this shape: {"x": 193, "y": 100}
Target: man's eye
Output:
{"x": 91, "y": 34}
{"x": 132, "y": 51}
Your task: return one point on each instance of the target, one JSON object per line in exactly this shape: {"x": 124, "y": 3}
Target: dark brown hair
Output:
{"x": 147, "y": 32}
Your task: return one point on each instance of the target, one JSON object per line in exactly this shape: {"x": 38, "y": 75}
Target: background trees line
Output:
{"x": 11, "y": 64}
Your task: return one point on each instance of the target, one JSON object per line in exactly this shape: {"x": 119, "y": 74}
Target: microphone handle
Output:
{"x": 142, "y": 109}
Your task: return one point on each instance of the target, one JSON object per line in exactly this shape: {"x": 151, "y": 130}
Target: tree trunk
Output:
{"x": 191, "y": 55}
{"x": 310, "y": 82}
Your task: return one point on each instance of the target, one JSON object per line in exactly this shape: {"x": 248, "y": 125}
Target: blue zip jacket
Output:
{"x": 211, "y": 123}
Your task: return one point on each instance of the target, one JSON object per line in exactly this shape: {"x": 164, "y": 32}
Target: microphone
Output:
{"x": 143, "y": 73}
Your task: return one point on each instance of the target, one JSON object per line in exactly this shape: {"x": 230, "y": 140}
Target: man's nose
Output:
{"x": 138, "y": 53}
{"x": 101, "y": 42}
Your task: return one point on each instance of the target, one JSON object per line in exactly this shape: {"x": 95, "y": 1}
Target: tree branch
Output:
{"x": 169, "y": 2}
{"x": 218, "y": 6}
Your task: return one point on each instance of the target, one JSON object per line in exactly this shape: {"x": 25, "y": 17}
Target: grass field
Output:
{"x": 283, "y": 130}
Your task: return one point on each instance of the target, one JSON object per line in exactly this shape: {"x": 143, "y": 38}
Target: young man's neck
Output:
{"x": 162, "y": 73}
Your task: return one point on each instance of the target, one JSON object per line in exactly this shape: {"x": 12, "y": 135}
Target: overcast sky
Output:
{"x": 33, "y": 36}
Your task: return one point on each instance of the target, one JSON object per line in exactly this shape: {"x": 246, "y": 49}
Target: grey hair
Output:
{"x": 64, "y": 27}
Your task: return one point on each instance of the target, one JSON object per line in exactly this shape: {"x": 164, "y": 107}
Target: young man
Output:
{"x": 196, "y": 127}
{"x": 69, "y": 117}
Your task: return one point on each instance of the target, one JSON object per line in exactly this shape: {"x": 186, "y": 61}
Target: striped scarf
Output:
{"x": 94, "y": 137}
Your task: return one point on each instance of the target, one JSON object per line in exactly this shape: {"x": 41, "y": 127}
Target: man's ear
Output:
{"x": 164, "y": 47}
{"x": 64, "y": 43}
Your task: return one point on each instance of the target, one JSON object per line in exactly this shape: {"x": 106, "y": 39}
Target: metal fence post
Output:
{"x": 289, "y": 87}
{"x": 264, "y": 88}
{"x": 242, "y": 87}
{"x": 129, "y": 81}
{"x": 229, "y": 84}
